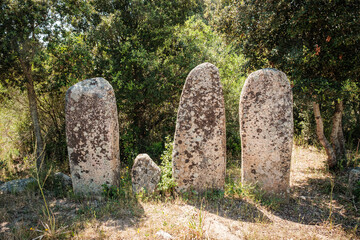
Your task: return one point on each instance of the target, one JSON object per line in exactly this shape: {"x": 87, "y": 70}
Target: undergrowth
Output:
{"x": 167, "y": 183}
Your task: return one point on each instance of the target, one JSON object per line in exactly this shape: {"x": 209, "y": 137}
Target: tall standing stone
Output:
{"x": 92, "y": 134}
{"x": 199, "y": 154}
{"x": 266, "y": 128}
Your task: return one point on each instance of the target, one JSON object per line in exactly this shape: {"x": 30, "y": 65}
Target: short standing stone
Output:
{"x": 266, "y": 128}
{"x": 145, "y": 174}
{"x": 92, "y": 135}
{"x": 63, "y": 179}
{"x": 199, "y": 154}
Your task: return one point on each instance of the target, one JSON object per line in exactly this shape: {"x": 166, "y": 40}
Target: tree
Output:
{"x": 29, "y": 32}
{"x": 196, "y": 42}
{"x": 22, "y": 52}
{"x": 316, "y": 43}
{"x": 127, "y": 36}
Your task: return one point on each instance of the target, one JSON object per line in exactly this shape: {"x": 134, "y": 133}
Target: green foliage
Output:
{"x": 236, "y": 189}
{"x": 214, "y": 194}
{"x": 33, "y": 40}
{"x": 70, "y": 60}
{"x": 196, "y": 42}
{"x": 167, "y": 184}
{"x": 121, "y": 192}
{"x": 196, "y": 224}
{"x": 124, "y": 189}
{"x": 307, "y": 42}
{"x": 145, "y": 49}
{"x": 127, "y": 36}
{"x": 113, "y": 192}
{"x": 15, "y": 137}
{"x": 128, "y": 147}
{"x": 316, "y": 43}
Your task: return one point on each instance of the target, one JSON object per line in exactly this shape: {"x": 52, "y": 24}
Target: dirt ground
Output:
{"x": 319, "y": 207}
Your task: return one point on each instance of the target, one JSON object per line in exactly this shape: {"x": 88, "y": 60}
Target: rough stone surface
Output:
{"x": 16, "y": 186}
{"x": 64, "y": 179}
{"x": 145, "y": 174}
{"x": 354, "y": 178}
{"x": 266, "y": 128}
{"x": 92, "y": 135}
{"x": 199, "y": 154}
{"x": 163, "y": 235}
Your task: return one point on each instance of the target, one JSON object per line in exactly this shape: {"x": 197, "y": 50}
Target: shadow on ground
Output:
{"x": 232, "y": 208}
{"x": 21, "y": 215}
{"x": 320, "y": 201}
{"x": 308, "y": 204}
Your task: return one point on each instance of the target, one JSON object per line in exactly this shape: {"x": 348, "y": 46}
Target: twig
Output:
{"x": 357, "y": 148}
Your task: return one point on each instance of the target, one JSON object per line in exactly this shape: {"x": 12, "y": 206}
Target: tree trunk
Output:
{"x": 337, "y": 136}
{"x": 320, "y": 133}
{"x": 35, "y": 120}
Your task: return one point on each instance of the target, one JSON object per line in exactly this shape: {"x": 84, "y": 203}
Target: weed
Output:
{"x": 123, "y": 191}
{"x": 113, "y": 192}
{"x": 236, "y": 189}
{"x": 50, "y": 228}
{"x": 196, "y": 224}
{"x": 214, "y": 194}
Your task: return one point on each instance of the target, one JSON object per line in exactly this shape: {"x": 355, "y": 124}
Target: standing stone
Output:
{"x": 145, "y": 174}
{"x": 199, "y": 154}
{"x": 92, "y": 135}
{"x": 266, "y": 128}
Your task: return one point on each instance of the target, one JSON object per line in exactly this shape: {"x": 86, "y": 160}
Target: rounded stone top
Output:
{"x": 266, "y": 73}
{"x": 203, "y": 66}
{"x": 94, "y": 86}
{"x": 142, "y": 157}
{"x": 203, "y": 72}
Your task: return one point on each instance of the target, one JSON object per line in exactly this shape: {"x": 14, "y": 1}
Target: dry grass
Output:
{"x": 311, "y": 212}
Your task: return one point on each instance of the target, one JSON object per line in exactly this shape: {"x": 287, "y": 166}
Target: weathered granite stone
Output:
{"x": 145, "y": 174}
{"x": 63, "y": 179}
{"x": 92, "y": 135}
{"x": 266, "y": 128}
{"x": 199, "y": 154}
{"x": 16, "y": 186}
{"x": 354, "y": 179}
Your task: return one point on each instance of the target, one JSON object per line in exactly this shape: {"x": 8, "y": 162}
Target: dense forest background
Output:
{"x": 145, "y": 49}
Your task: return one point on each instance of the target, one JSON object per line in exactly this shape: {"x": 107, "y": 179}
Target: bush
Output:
{"x": 167, "y": 183}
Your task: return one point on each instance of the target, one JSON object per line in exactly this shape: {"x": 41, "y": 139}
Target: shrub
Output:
{"x": 167, "y": 183}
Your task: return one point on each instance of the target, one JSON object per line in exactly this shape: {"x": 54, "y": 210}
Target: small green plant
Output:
{"x": 233, "y": 189}
{"x": 120, "y": 192}
{"x": 50, "y": 227}
{"x": 214, "y": 194}
{"x": 196, "y": 224}
{"x": 112, "y": 192}
{"x": 167, "y": 183}
{"x": 253, "y": 192}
